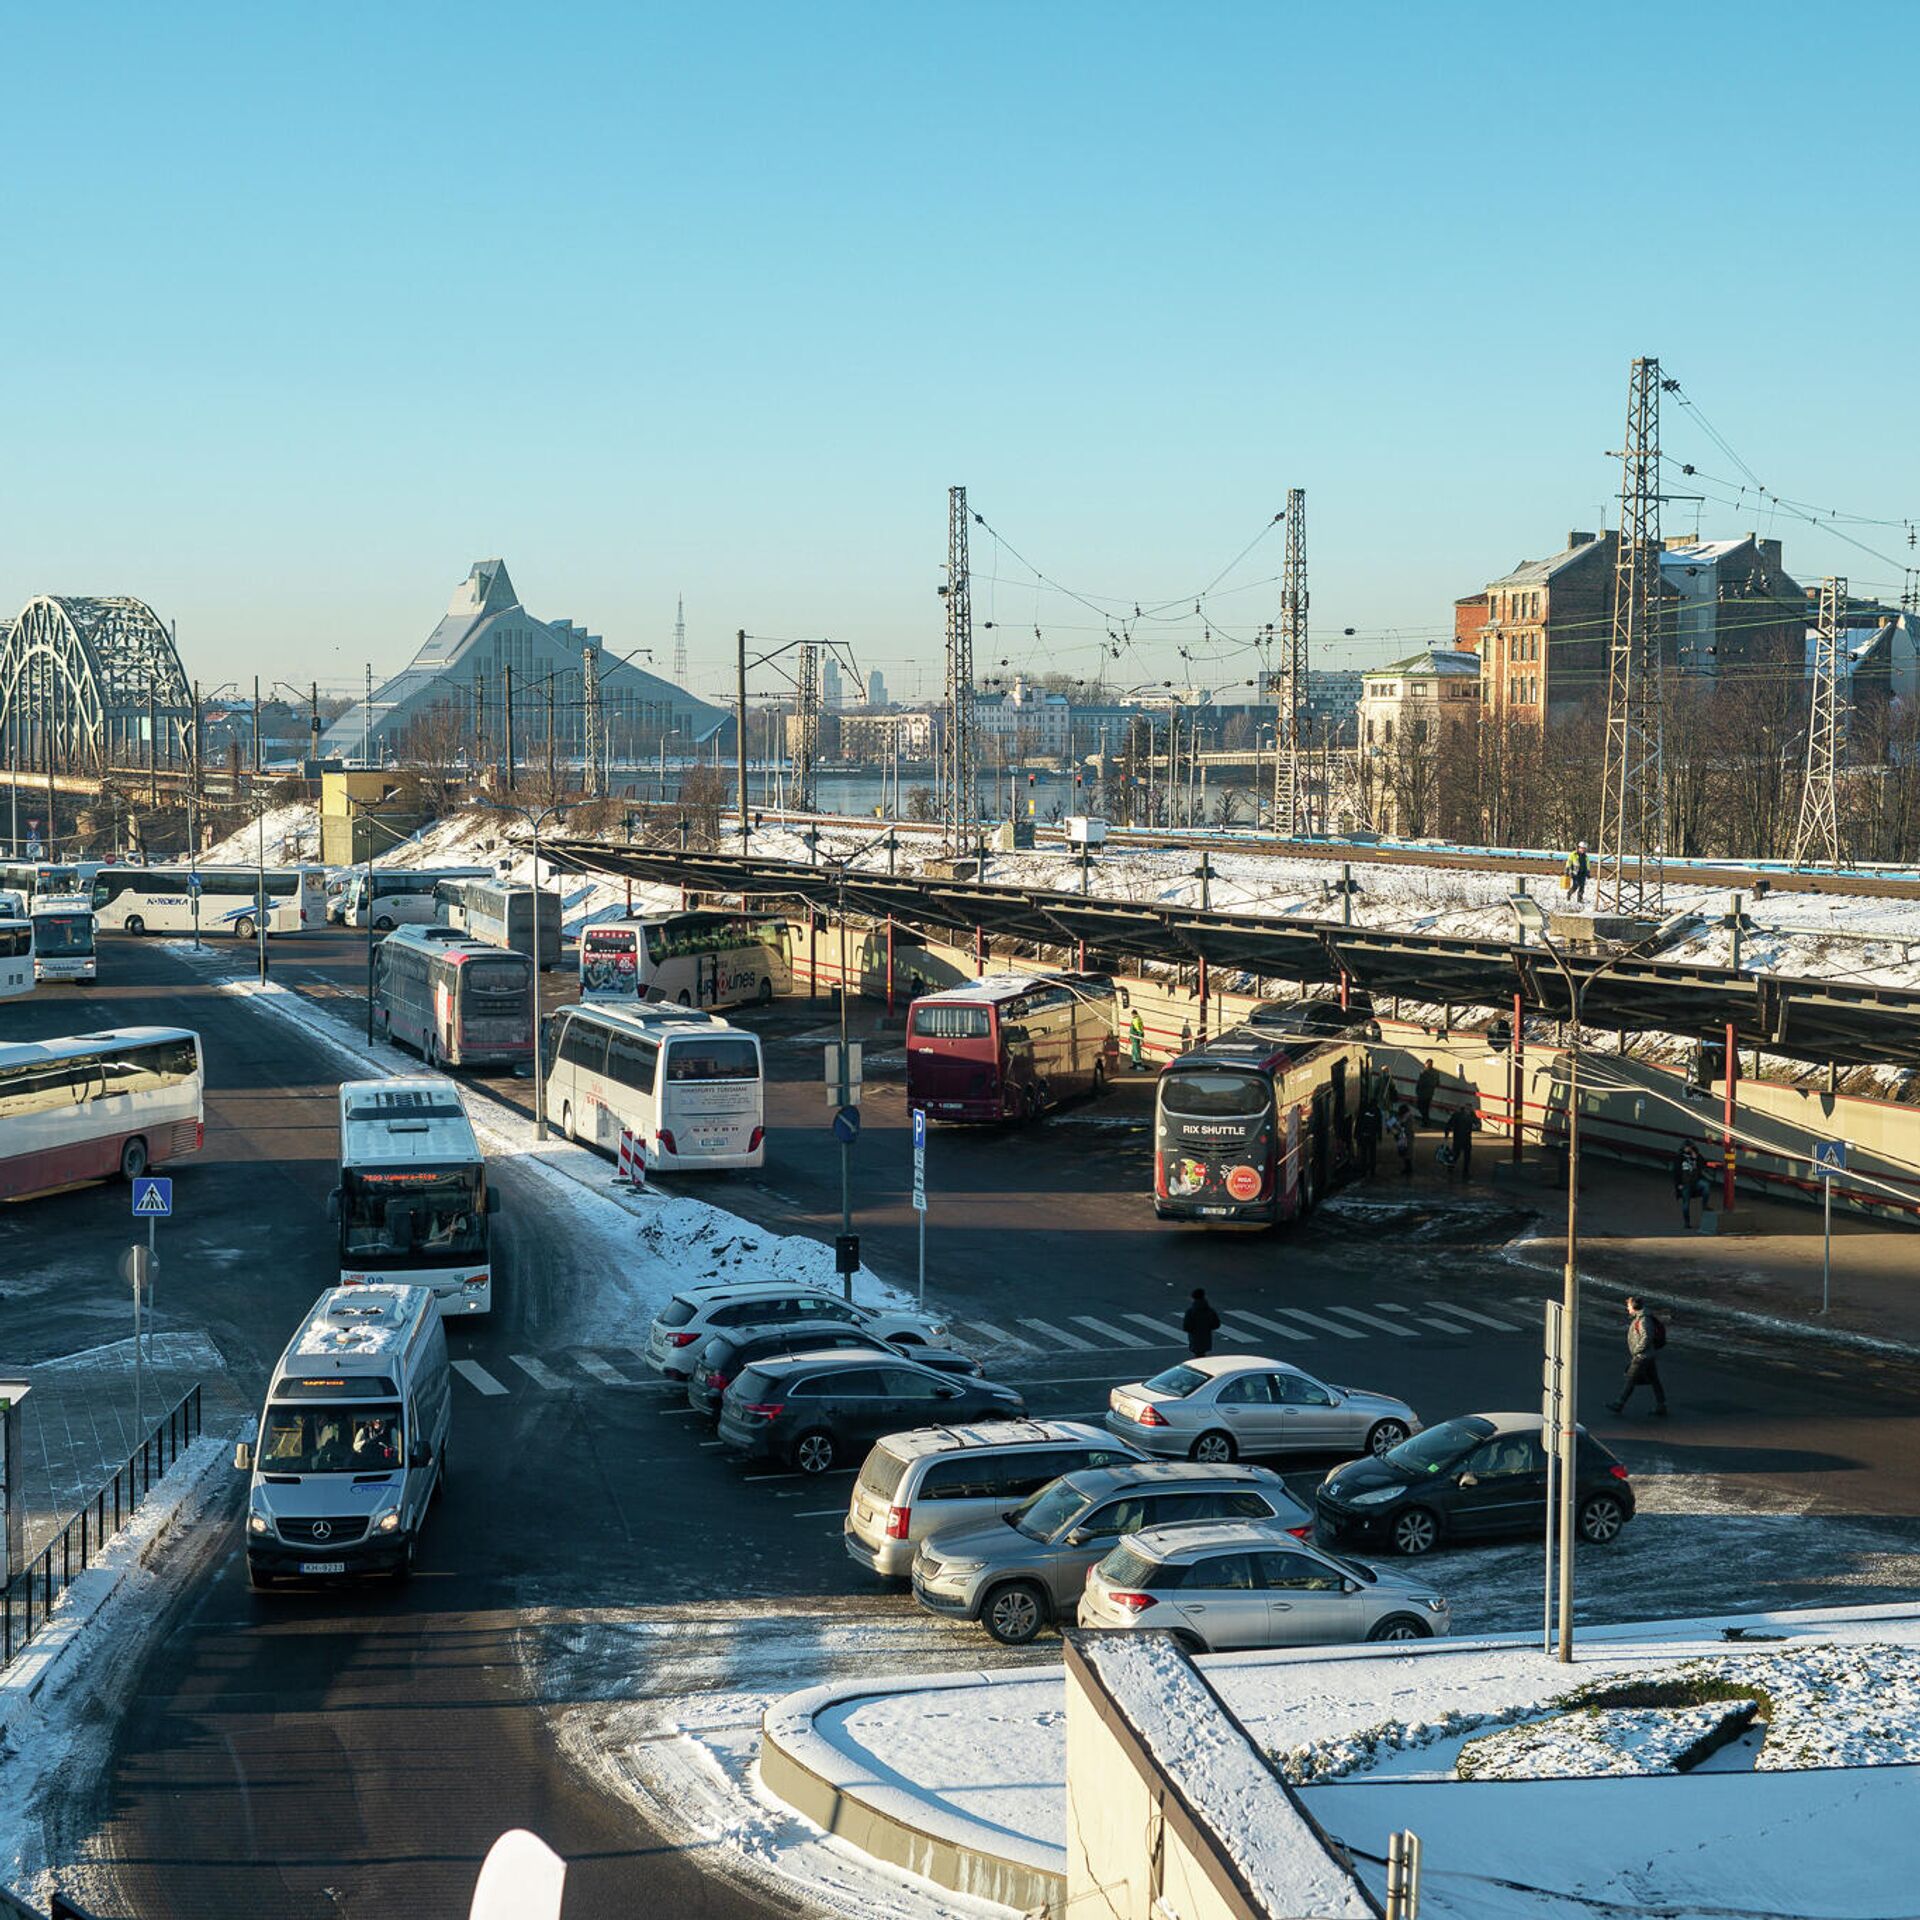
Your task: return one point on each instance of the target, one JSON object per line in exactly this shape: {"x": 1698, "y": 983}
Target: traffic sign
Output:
{"x": 1830, "y": 1156}
{"x": 919, "y": 1130}
{"x": 846, "y": 1125}
{"x": 152, "y": 1197}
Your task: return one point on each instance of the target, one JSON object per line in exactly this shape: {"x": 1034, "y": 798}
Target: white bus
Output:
{"x": 413, "y": 1204}
{"x": 697, "y": 959}
{"x": 16, "y": 956}
{"x": 498, "y": 915}
{"x": 161, "y": 899}
{"x": 63, "y": 947}
{"x": 402, "y": 896}
{"x": 689, "y": 1087}
{"x": 28, "y": 877}
{"x": 95, "y": 1104}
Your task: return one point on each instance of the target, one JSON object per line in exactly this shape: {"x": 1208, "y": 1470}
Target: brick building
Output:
{"x": 1543, "y": 644}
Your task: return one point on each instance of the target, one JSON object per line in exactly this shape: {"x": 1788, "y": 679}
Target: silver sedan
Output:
{"x": 1219, "y": 1408}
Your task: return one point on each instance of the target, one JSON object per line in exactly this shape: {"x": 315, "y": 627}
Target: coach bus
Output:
{"x": 695, "y": 959}
{"x": 686, "y": 1085}
{"x": 402, "y": 896}
{"x": 1009, "y": 1046}
{"x": 29, "y": 877}
{"x": 63, "y": 945}
{"x": 95, "y": 1104}
{"x": 456, "y": 1002}
{"x": 16, "y": 956}
{"x": 1254, "y": 1127}
{"x": 161, "y": 899}
{"x": 413, "y": 1204}
{"x": 499, "y": 915}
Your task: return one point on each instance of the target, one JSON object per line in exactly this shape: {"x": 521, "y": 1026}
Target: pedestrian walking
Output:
{"x": 1366, "y": 1138}
{"x": 1690, "y": 1183}
{"x": 1200, "y": 1323}
{"x": 1137, "y": 1042}
{"x": 1574, "y": 879}
{"x": 1646, "y": 1335}
{"x": 1401, "y": 1127}
{"x": 1460, "y": 1139}
{"x": 1424, "y": 1089}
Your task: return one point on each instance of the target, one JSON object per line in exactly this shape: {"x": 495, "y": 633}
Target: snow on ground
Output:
{"x": 291, "y": 833}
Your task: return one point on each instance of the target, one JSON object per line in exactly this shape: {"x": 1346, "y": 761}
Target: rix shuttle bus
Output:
{"x": 63, "y": 946}
{"x": 96, "y": 1104}
{"x": 1257, "y": 1125}
{"x": 686, "y": 1084}
{"x": 402, "y": 896}
{"x": 160, "y": 899}
{"x": 501, "y": 916}
{"x": 455, "y": 1002}
{"x": 16, "y": 956}
{"x": 413, "y": 1202}
{"x": 696, "y": 959}
{"x": 1009, "y": 1046}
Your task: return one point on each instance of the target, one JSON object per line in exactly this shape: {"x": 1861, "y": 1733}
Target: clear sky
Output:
{"x": 305, "y": 309}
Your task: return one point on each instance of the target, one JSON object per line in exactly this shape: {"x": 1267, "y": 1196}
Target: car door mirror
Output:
{"x": 333, "y": 1204}
{"x": 1349, "y": 1586}
{"x": 1468, "y": 1480}
{"x": 1078, "y": 1537}
{"x": 945, "y": 1392}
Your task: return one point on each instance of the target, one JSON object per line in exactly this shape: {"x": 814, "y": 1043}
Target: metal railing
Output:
{"x": 77, "y": 1544}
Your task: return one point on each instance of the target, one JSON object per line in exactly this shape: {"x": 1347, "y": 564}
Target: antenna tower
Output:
{"x": 1290, "y": 812}
{"x": 1631, "y": 842}
{"x": 959, "y": 752}
{"x": 680, "y": 641}
{"x": 1818, "y": 831}
{"x": 806, "y": 745}
{"x": 590, "y": 732}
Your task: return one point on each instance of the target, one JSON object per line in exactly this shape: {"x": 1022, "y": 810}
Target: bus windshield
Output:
{"x": 55, "y": 933}
{"x": 410, "y": 1215}
{"x": 939, "y": 1022}
{"x": 494, "y": 979}
{"x": 1215, "y": 1096}
{"x": 363, "y": 1438}
{"x": 719, "y": 1059}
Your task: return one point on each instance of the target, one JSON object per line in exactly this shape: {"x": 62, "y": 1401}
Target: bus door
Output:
{"x": 1320, "y": 1138}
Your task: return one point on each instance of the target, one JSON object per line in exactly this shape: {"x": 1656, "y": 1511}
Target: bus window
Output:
{"x": 944, "y": 1022}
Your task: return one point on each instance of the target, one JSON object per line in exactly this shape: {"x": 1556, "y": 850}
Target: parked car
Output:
{"x": 918, "y": 1483}
{"x": 1018, "y": 1572}
{"x": 1222, "y": 1407}
{"x": 812, "y": 1410}
{"x": 1216, "y": 1588}
{"x": 719, "y": 1358}
{"x": 694, "y": 1312}
{"x": 1473, "y": 1478}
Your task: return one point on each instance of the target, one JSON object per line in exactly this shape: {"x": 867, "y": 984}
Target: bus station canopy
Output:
{"x": 1829, "y": 1022}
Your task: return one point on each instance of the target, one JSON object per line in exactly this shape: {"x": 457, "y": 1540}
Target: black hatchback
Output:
{"x": 722, "y": 1355}
{"x": 814, "y": 1411}
{"x": 1479, "y": 1477}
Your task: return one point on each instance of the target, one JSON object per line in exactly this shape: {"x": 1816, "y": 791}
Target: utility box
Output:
{"x": 1086, "y": 830}
{"x": 13, "y": 1494}
{"x": 1013, "y": 836}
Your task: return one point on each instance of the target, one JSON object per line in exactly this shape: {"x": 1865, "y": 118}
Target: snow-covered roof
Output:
{"x": 352, "y": 1327}
{"x": 1440, "y": 663}
{"x": 1535, "y": 573}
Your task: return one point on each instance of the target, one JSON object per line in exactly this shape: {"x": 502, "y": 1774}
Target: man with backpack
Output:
{"x": 1646, "y": 1335}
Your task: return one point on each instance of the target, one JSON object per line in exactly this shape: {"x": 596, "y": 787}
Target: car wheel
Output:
{"x": 813, "y": 1452}
{"x": 1415, "y": 1531}
{"x": 136, "y": 925}
{"x": 384, "y": 924}
{"x": 1399, "y": 1626}
{"x": 133, "y": 1160}
{"x": 1601, "y": 1519}
{"x": 1214, "y": 1447}
{"x": 1386, "y": 1435}
{"x": 1188, "y": 1642}
{"x": 1013, "y": 1614}
{"x": 904, "y": 1339}
{"x": 243, "y": 928}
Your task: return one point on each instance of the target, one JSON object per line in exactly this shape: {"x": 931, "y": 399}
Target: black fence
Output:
{"x": 73, "y": 1549}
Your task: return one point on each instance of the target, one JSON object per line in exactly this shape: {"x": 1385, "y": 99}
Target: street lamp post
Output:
{"x": 535, "y": 818}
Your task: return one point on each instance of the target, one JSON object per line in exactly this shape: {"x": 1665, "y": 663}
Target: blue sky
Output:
{"x": 306, "y": 309}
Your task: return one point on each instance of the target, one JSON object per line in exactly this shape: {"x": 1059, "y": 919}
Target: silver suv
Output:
{"x": 694, "y": 1312}
{"x": 1018, "y": 1572}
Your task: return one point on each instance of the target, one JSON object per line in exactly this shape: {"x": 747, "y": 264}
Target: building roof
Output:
{"x": 1440, "y": 663}
{"x": 1536, "y": 573}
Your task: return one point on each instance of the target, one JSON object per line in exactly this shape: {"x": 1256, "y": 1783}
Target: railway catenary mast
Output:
{"x": 959, "y": 751}
{"x": 1817, "y": 832}
{"x": 1290, "y": 814}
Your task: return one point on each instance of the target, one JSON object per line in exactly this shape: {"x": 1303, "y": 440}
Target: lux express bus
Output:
{"x": 95, "y": 1104}
{"x": 1255, "y": 1126}
{"x": 63, "y": 945}
{"x": 696, "y": 959}
{"x": 401, "y": 896}
{"x": 455, "y": 1002}
{"x": 1009, "y": 1046}
{"x": 689, "y": 1087}
{"x": 231, "y": 900}
{"x": 413, "y": 1204}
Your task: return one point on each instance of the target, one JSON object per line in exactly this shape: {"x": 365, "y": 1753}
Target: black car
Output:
{"x": 812, "y": 1410}
{"x": 1474, "y": 1478}
{"x": 722, "y": 1356}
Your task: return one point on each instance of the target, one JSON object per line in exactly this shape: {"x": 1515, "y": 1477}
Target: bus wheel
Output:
{"x": 243, "y": 928}
{"x": 135, "y": 925}
{"x": 685, "y": 998}
{"x": 133, "y": 1160}
{"x": 430, "y": 1051}
{"x": 566, "y": 1119}
{"x": 766, "y": 991}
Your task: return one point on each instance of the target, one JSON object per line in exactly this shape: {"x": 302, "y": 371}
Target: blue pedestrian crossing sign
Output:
{"x": 152, "y": 1197}
{"x": 1830, "y": 1156}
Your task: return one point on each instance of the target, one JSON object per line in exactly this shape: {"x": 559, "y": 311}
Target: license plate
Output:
{"x": 1215, "y": 1213}
{"x": 711, "y": 1142}
{"x": 865, "y": 1513}
{"x": 323, "y": 1566}
{"x": 1126, "y": 1409}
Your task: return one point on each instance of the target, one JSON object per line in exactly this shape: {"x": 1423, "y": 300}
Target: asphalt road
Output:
{"x": 355, "y": 1752}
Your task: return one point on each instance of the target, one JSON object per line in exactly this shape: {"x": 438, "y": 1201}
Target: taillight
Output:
{"x": 1301, "y": 1533}
{"x": 666, "y": 1142}
{"x": 717, "y": 1381}
{"x": 683, "y": 1339}
{"x": 1133, "y": 1602}
{"x": 897, "y": 1518}
{"x": 766, "y": 1409}
{"x": 754, "y": 1139}
{"x": 1619, "y": 1472}
{"x": 1160, "y": 1174}
{"x": 1151, "y": 1417}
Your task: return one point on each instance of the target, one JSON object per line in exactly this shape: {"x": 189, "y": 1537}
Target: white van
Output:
{"x": 352, "y": 1442}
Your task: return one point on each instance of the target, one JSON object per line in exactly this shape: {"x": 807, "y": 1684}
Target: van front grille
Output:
{"x": 328, "y": 1531}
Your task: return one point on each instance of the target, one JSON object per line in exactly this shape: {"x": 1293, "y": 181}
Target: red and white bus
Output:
{"x": 456, "y": 1002}
{"x": 1255, "y": 1126}
{"x": 95, "y": 1104}
{"x": 1009, "y": 1046}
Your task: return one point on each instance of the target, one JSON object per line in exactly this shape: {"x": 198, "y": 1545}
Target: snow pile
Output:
{"x": 291, "y": 833}
{"x": 1606, "y": 1740}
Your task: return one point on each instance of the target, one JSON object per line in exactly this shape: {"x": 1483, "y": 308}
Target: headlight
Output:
{"x": 961, "y": 1566}
{"x": 388, "y": 1522}
{"x": 1433, "y": 1603}
{"x": 1378, "y": 1497}
{"x": 259, "y": 1523}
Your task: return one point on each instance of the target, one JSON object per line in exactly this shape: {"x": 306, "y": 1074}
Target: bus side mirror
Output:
{"x": 333, "y": 1205}
{"x": 1126, "y": 999}
{"x": 243, "y": 1447}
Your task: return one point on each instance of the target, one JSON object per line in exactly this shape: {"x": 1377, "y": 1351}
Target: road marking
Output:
{"x": 539, "y": 1375}
{"x": 998, "y": 1336}
{"x": 1325, "y": 1326}
{"x": 476, "y": 1375}
{"x": 821, "y": 1513}
{"x": 1468, "y": 1313}
{"x": 712, "y": 1443}
{"x": 1173, "y": 1335}
{"x": 608, "y": 1376}
{"x": 1374, "y": 1320}
{"x": 1425, "y": 1319}
{"x": 1272, "y": 1326}
{"x": 1230, "y": 1331}
{"x": 1118, "y": 1335}
{"x": 1071, "y": 1341}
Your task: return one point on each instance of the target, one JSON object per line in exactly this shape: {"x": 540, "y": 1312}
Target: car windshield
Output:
{"x": 1215, "y": 1096}
{"x": 1439, "y": 1447}
{"x": 1179, "y": 1381}
{"x": 411, "y": 1216}
{"x": 362, "y": 1438}
{"x": 1042, "y": 1516}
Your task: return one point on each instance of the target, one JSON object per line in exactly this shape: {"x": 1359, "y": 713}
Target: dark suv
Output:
{"x": 815, "y": 1410}
{"x": 1474, "y": 1478}
{"x": 717, "y": 1363}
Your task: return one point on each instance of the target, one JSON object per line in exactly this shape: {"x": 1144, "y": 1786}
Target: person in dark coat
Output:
{"x": 1200, "y": 1323}
{"x": 1460, "y": 1140}
{"x": 1366, "y": 1138}
{"x": 1424, "y": 1089}
{"x": 1645, "y": 1337}
{"x": 1690, "y": 1183}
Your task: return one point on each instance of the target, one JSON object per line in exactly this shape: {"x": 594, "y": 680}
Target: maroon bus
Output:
{"x": 457, "y": 1002}
{"x": 1009, "y": 1046}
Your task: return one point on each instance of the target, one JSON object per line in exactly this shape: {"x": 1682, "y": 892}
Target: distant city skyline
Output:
{"x": 323, "y": 309}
